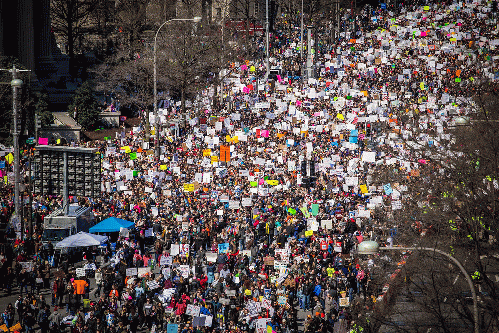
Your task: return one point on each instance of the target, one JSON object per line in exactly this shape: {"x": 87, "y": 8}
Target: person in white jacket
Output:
{"x": 98, "y": 281}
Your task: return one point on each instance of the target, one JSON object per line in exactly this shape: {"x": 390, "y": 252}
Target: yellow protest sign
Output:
{"x": 9, "y": 158}
{"x": 207, "y": 152}
{"x": 214, "y": 159}
{"x": 252, "y": 68}
{"x": 272, "y": 182}
{"x": 340, "y": 116}
{"x": 229, "y": 139}
{"x": 163, "y": 167}
{"x": 188, "y": 187}
{"x": 363, "y": 189}
{"x": 309, "y": 233}
{"x": 247, "y": 292}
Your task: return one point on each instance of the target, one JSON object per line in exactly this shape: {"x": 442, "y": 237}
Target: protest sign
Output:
{"x": 143, "y": 271}
{"x": 172, "y": 328}
{"x": 192, "y": 310}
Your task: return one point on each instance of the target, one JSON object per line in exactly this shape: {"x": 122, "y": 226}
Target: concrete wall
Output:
{"x": 111, "y": 119}
{"x": 59, "y": 132}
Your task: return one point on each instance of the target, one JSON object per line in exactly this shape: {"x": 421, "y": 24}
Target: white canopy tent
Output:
{"x": 81, "y": 239}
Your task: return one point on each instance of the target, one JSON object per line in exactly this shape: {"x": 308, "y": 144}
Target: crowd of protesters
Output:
{"x": 239, "y": 244}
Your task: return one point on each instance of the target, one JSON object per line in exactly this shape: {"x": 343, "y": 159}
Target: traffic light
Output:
{"x": 305, "y": 182}
{"x": 311, "y": 181}
{"x": 368, "y": 129}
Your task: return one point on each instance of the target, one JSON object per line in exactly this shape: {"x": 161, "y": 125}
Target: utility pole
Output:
{"x": 267, "y": 39}
{"x": 309, "y": 52}
{"x": 16, "y": 84}
{"x": 301, "y": 33}
{"x": 337, "y": 18}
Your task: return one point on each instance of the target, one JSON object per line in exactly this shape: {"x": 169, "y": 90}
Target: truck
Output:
{"x": 57, "y": 225}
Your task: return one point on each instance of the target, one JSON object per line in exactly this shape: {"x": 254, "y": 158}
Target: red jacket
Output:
{"x": 203, "y": 281}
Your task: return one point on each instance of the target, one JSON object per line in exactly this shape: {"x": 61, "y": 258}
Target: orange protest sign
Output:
{"x": 224, "y": 153}
{"x": 16, "y": 327}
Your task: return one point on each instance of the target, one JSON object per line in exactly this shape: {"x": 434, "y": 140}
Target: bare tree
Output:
{"x": 189, "y": 57}
{"x": 131, "y": 23}
{"x": 129, "y": 79}
{"x": 69, "y": 18}
{"x": 447, "y": 179}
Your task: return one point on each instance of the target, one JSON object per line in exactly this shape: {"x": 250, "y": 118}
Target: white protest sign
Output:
{"x": 211, "y": 256}
{"x": 234, "y": 204}
{"x": 80, "y": 272}
{"x": 246, "y": 202}
{"x": 153, "y": 285}
{"x": 192, "y": 310}
{"x": 184, "y": 270}
{"x": 143, "y": 271}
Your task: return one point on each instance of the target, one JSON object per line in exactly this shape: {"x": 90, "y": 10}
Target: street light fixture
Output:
{"x": 155, "y": 87}
{"x": 372, "y": 247}
{"x": 462, "y": 120}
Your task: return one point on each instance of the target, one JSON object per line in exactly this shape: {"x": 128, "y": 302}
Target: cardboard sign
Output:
{"x": 268, "y": 261}
{"x": 143, "y": 271}
{"x": 344, "y": 301}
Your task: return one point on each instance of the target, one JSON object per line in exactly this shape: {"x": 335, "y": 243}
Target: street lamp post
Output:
{"x": 16, "y": 84}
{"x": 372, "y": 247}
{"x": 301, "y": 33}
{"x": 267, "y": 39}
{"x": 155, "y": 78}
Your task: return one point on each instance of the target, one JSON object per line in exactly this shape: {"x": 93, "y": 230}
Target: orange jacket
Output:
{"x": 114, "y": 293}
{"x": 79, "y": 286}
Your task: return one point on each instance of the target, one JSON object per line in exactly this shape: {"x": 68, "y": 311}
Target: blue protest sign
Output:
{"x": 172, "y": 328}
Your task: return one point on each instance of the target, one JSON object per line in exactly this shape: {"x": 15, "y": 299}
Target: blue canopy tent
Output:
{"x": 112, "y": 224}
